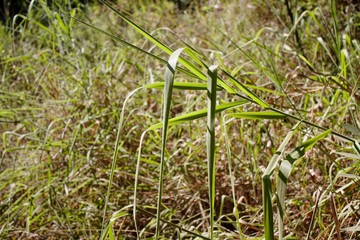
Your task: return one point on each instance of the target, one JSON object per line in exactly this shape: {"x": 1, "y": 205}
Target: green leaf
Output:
{"x": 285, "y": 170}
{"x": 306, "y": 61}
{"x": 267, "y": 185}
{"x": 248, "y": 92}
{"x": 198, "y": 114}
{"x": 258, "y": 115}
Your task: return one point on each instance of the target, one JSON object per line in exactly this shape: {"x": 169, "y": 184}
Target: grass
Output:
{"x": 84, "y": 93}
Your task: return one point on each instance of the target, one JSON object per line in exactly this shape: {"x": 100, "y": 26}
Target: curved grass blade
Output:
{"x": 198, "y": 114}
{"x": 116, "y": 153}
{"x": 285, "y": 170}
{"x": 109, "y": 233}
{"x": 267, "y": 186}
{"x": 168, "y": 87}
{"x": 210, "y": 142}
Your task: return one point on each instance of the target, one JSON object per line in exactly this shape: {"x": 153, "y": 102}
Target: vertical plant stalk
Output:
{"x": 267, "y": 205}
{"x": 210, "y": 141}
{"x": 313, "y": 214}
{"x": 168, "y": 87}
{"x": 334, "y": 213}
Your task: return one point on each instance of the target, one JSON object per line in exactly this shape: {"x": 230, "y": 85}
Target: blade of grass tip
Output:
{"x": 168, "y": 87}
{"x": 285, "y": 170}
{"x": 267, "y": 186}
{"x": 210, "y": 141}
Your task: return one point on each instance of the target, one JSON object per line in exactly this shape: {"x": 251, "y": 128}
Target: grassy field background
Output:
{"x": 82, "y": 158}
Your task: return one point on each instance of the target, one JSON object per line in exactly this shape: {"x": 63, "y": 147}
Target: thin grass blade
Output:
{"x": 198, "y": 114}
{"x": 258, "y": 115}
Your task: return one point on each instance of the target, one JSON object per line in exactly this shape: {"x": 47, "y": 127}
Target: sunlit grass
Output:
{"x": 84, "y": 95}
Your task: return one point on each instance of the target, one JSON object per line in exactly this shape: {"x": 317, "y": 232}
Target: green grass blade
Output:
{"x": 285, "y": 170}
{"x": 136, "y": 184}
{"x": 258, "y": 115}
{"x": 198, "y": 114}
{"x": 168, "y": 87}
{"x": 188, "y": 65}
{"x": 335, "y": 20}
{"x": 267, "y": 205}
{"x": 116, "y": 151}
{"x": 247, "y": 91}
{"x": 210, "y": 142}
{"x": 306, "y": 61}
{"x": 267, "y": 186}
{"x": 179, "y": 85}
